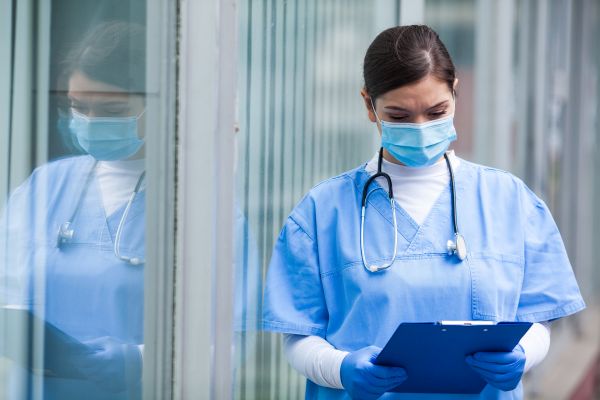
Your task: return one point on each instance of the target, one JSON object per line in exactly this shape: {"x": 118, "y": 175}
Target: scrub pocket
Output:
{"x": 496, "y": 286}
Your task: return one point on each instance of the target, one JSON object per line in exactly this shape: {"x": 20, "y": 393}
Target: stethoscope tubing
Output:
{"x": 456, "y": 247}
{"x": 65, "y": 233}
{"x": 131, "y": 260}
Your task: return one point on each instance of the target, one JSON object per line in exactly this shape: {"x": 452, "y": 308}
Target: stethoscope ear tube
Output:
{"x": 459, "y": 246}
{"x": 453, "y": 190}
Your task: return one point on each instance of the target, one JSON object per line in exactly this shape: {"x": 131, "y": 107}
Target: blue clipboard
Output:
{"x": 433, "y": 354}
{"x": 60, "y": 349}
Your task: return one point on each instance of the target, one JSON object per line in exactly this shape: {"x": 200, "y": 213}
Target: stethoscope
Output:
{"x": 66, "y": 232}
{"x": 456, "y": 247}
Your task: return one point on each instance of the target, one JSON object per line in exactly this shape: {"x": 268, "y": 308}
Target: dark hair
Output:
{"x": 405, "y": 54}
{"x": 114, "y": 53}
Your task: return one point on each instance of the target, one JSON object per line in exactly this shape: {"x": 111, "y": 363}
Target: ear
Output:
{"x": 367, "y": 100}
{"x": 454, "y": 87}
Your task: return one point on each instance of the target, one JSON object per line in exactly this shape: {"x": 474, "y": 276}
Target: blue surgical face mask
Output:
{"x": 64, "y": 132}
{"x": 106, "y": 138}
{"x": 417, "y": 145}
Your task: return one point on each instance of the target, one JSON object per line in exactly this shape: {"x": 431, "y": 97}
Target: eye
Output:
{"x": 116, "y": 113}
{"x": 398, "y": 117}
{"x": 437, "y": 114}
{"x": 115, "y": 110}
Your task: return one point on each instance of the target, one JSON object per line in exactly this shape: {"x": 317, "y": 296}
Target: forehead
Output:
{"x": 421, "y": 94}
{"x": 83, "y": 88}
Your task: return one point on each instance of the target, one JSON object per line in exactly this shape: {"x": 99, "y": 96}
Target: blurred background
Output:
{"x": 250, "y": 103}
{"x": 528, "y": 102}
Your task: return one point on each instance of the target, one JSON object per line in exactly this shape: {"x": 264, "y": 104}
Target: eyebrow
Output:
{"x": 98, "y": 93}
{"x": 104, "y": 103}
{"x": 114, "y": 103}
{"x": 129, "y": 93}
{"x": 404, "y": 109}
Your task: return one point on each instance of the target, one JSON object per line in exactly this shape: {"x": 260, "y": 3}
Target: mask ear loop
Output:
{"x": 373, "y": 108}
{"x": 137, "y": 134}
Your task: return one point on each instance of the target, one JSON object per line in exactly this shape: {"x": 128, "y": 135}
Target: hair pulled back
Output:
{"x": 403, "y": 55}
{"x": 113, "y": 52}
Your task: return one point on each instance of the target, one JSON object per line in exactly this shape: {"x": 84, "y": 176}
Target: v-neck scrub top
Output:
{"x": 516, "y": 269}
{"x": 87, "y": 291}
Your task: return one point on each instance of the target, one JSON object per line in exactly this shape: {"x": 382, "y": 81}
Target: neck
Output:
{"x": 388, "y": 157}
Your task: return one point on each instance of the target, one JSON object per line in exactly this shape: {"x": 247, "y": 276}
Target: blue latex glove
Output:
{"x": 364, "y": 380}
{"x": 113, "y": 365}
{"x": 501, "y": 370}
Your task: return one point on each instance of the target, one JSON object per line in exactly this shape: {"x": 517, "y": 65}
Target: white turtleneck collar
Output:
{"x": 117, "y": 180}
{"x": 416, "y": 189}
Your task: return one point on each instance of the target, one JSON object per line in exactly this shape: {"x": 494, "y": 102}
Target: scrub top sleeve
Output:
{"x": 16, "y": 240}
{"x": 549, "y": 289}
{"x": 294, "y": 301}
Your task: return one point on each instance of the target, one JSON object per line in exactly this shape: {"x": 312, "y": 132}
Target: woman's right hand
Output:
{"x": 364, "y": 380}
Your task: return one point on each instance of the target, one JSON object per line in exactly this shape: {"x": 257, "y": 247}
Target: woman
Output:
{"x": 73, "y": 234}
{"x": 339, "y": 293}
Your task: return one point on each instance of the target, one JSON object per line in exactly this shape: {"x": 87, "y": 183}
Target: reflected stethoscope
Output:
{"x": 66, "y": 233}
{"x": 456, "y": 247}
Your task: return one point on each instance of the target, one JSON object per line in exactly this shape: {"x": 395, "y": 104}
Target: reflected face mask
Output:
{"x": 64, "y": 132}
{"x": 107, "y": 138}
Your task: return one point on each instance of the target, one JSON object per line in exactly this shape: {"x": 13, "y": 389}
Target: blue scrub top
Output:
{"x": 516, "y": 269}
{"x": 81, "y": 288}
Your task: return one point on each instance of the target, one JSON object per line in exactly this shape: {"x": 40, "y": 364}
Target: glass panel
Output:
{"x": 72, "y": 232}
{"x": 301, "y": 120}
{"x": 454, "y": 21}
{"x": 553, "y": 135}
{"x": 593, "y": 13}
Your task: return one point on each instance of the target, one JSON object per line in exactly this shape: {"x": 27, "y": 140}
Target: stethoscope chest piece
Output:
{"x": 457, "y": 247}
{"x": 65, "y": 233}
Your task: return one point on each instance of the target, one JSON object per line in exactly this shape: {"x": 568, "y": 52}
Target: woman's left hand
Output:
{"x": 501, "y": 370}
{"x": 112, "y": 364}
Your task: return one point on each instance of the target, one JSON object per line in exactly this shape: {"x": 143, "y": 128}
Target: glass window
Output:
{"x": 536, "y": 114}
{"x": 83, "y": 110}
{"x": 454, "y": 21}
{"x": 301, "y": 120}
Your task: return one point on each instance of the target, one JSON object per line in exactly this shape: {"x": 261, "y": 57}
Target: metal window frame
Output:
{"x": 6, "y": 38}
{"x": 493, "y": 108}
{"x": 159, "y": 270}
{"x": 24, "y": 71}
{"x": 21, "y": 98}
{"x": 203, "y": 323}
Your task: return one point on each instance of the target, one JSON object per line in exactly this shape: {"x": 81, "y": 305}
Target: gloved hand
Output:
{"x": 364, "y": 380}
{"x": 501, "y": 370}
{"x": 113, "y": 365}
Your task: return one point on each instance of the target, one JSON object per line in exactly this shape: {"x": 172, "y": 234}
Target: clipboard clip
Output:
{"x": 467, "y": 323}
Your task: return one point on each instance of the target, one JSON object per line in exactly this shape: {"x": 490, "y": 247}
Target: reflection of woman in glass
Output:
{"x": 73, "y": 233}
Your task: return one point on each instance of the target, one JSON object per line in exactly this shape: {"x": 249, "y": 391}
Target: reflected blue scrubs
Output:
{"x": 517, "y": 268}
{"x": 82, "y": 288}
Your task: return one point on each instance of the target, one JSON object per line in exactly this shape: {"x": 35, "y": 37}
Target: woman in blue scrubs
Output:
{"x": 61, "y": 258}
{"x": 338, "y": 295}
